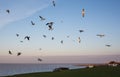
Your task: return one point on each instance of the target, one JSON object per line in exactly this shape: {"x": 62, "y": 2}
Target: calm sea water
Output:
{"x": 12, "y": 69}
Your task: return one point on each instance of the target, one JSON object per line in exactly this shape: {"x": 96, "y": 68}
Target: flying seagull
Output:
{"x": 44, "y": 36}
{"x": 39, "y": 59}
{"x": 79, "y": 40}
{"x": 50, "y": 24}
{"x": 40, "y": 49}
{"x": 42, "y": 18}
{"x": 17, "y": 35}
{"x": 32, "y": 23}
{"x": 83, "y": 12}
{"x": 100, "y": 35}
{"x": 19, "y": 53}
{"x": 81, "y": 31}
{"x": 50, "y": 27}
{"x": 61, "y": 21}
{"x": 61, "y": 41}
{"x": 10, "y": 52}
{"x": 21, "y": 41}
{"x": 108, "y": 45}
{"x": 27, "y": 37}
{"x": 53, "y": 2}
{"x": 53, "y": 38}
{"x": 68, "y": 36}
{"x": 8, "y": 11}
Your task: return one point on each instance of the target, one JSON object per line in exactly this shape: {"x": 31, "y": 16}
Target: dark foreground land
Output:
{"x": 98, "y": 71}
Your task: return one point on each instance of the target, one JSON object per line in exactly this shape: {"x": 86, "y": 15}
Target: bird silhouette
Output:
{"x": 79, "y": 40}
{"x": 108, "y": 45}
{"x": 32, "y": 23}
{"x": 42, "y": 18}
{"x": 61, "y": 41}
{"x": 53, "y": 38}
{"x": 100, "y": 35}
{"x": 81, "y": 31}
{"x": 21, "y": 41}
{"x": 17, "y": 35}
{"x": 19, "y": 53}
{"x": 39, "y": 59}
{"x": 8, "y": 11}
{"x": 68, "y": 36}
{"x": 50, "y": 24}
{"x": 44, "y": 36}
{"x": 40, "y": 49}
{"x": 50, "y": 27}
{"x": 27, "y": 37}
{"x": 53, "y": 2}
{"x": 10, "y": 52}
{"x": 61, "y": 21}
{"x": 83, "y": 12}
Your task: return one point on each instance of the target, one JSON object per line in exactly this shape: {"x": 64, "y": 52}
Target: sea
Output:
{"x": 13, "y": 69}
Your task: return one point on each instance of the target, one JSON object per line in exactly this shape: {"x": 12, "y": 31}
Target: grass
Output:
{"x": 99, "y": 71}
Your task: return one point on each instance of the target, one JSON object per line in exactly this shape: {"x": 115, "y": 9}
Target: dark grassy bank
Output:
{"x": 99, "y": 71}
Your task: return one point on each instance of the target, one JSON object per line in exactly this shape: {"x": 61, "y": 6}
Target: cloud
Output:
{"x": 19, "y": 9}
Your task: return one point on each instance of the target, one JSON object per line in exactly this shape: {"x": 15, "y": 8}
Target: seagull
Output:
{"x": 108, "y": 45}
{"x": 10, "y": 52}
{"x": 68, "y": 36}
{"x": 44, "y": 36}
{"x": 50, "y": 27}
{"x": 81, "y": 31}
{"x": 17, "y": 35}
{"x": 79, "y": 40}
{"x": 32, "y": 23}
{"x": 61, "y": 41}
{"x": 27, "y": 37}
{"x": 83, "y": 12}
{"x": 21, "y": 41}
{"x": 42, "y": 18}
{"x": 100, "y": 35}
{"x": 53, "y": 38}
{"x": 61, "y": 21}
{"x": 39, "y": 59}
{"x": 40, "y": 49}
{"x": 19, "y": 53}
{"x": 50, "y": 24}
{"x": 8, "y": 11}
{"x": 53, "y": 2}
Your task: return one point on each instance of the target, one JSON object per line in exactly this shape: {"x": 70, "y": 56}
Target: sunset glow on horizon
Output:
{"x": 72, "y": 34}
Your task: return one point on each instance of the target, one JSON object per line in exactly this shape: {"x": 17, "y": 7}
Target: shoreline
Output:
{"x": 78, "y": 65}
{"x": 107, "y": 71}
{"x": 13, "y": 69}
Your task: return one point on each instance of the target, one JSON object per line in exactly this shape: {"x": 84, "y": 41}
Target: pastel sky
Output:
{"x": 101, "y": 17}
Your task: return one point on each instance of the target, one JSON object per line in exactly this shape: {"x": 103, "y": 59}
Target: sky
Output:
{"x": 101, "y": 17}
